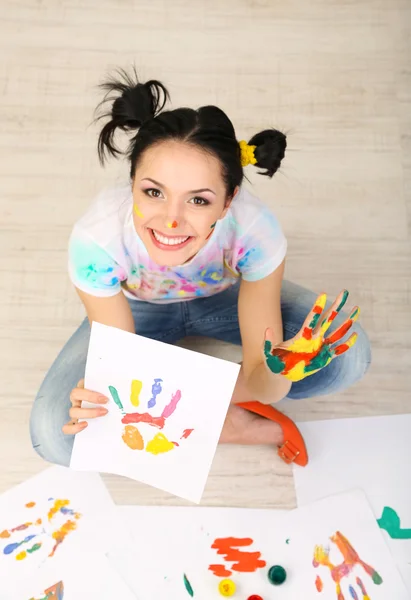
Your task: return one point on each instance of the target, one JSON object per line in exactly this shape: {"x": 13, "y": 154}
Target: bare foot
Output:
{"x": 244, "y": 427}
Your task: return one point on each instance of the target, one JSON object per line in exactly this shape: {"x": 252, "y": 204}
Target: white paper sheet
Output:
{"x": 405, "y": 570}
{"x": 373, "y": 454}
{"x": 87, "y": 577}
{"x": 54, "y": 515}
{"x": 172, "y": 542}
{"x": 191, "y": 393}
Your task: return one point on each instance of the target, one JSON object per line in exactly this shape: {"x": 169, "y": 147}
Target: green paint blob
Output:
{"x": 34, "y": 548}
{"x": 319, "y": 361}
{"x": 213, "y": 225}
{"x": 187, "y": 585}
{"x": 315, "y": 320}
{"x": 343, "y": 301}
{"x": 275, "y": 364}
{"x": 376, "y": 577}
{"x": 287, "y": 541}
{"x": 354, "y": 314}
{"x": 116, "y": 397}
{"x": 390, "y": 522}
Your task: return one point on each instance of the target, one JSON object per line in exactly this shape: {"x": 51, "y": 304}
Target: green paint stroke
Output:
{"x": 275, "y": 364}
{"x": 390, "y": 521}
{"x": 315, "y": 320}
{"x": 343, "y": 301}
{"x": 354, "y": 313}
{"x": 116, "y": 397}
{"x": 187, "y": 585}
{"x": 34, "y": 548}
{"x": 319, "y": 361}
{"x": 213, "y": 225}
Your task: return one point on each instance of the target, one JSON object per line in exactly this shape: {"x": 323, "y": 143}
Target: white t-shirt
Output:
{"x": 107, "y": 255}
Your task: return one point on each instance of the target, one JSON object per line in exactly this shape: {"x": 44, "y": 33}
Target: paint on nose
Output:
{"x": 172, "y": 225}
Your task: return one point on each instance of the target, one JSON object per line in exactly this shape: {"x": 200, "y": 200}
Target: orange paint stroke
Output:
{"x": 186, "y": 433}
{"x": 133, "y": 438}
{"x": 319, "y": 584}
{"x": 219, "y": 570}
{"x": 243, "y": 562}
{"x": 30, "y": 504}
{"x": 60, "y": 535}
{"x": 143, "y": 418}
{"x": 58, "y": 505}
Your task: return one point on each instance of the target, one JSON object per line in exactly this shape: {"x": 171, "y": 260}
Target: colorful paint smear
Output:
{"x": 136, "y": 386}
{"x": 138, "y": 212}
{"x": 131, "y": 435}
{"x": 55, "y": 592}
{"x": 133, "y": 438}
{"x": 59, "y": 506}
{"x": 172, "y": 224}
{"x": 390, "y": 522}
{"x": 350, "y": 560}
{"x": 159, "y": 444}
{"x": 309, "y": 351}
{"x": 319, "y": 584}
{"x": 243, "y": 562}
{"x": 188, "y": 586}
{"x": 30, "y": 504}
{"x": 156, "y": 389}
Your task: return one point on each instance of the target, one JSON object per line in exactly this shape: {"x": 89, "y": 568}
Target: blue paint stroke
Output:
{"x": 12, "y": 547}
{"x": 353, "y": 593}
{"x": 156, "y": 389}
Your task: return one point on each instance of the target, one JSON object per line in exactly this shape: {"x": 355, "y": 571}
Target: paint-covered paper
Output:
{"x": 372, "y": 454}
{"x": 333, "y": 547}
{"x": 56, "y": 514}
{"x": 166, "y": 411}
{"x": 84, "y": 577}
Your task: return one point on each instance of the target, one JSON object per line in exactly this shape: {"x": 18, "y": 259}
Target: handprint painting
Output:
{"x": 42, "y": 532}
{"x": 166, "y": 410}
{"x": 132, "y": 437}
{"x": 347, "y": 571}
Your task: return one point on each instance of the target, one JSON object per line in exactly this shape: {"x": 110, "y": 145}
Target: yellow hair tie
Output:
{"x": 247, "y": 154}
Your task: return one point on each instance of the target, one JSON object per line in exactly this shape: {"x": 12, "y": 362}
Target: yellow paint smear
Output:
{"x": 159, "y": 444}
{"x": 303, "y": 345}
{"x": 21, "y": 555}
{"x": 136, "y": 386}
{"x": 138, "y": 212}
{"x": 57, "y": 505}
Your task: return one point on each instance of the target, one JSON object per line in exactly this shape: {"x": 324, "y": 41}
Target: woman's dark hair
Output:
{"x": 138, "y": 107}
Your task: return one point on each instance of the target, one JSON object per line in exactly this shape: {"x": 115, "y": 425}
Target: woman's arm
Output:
{"x": 114, "y": 310}
{"x": 259, "y": 307}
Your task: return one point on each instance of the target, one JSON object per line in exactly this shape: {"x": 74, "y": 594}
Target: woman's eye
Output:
{"x": 199, "y": 201}
{"x": 153, "y": 193}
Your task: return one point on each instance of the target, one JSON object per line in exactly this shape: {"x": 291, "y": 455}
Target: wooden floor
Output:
{"x": 335, "y": 75}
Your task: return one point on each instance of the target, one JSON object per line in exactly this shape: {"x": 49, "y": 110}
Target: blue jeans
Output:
{"x": 214, "y": 317}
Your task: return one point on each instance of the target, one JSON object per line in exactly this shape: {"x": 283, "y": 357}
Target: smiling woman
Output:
{"x": 184, "y": 248}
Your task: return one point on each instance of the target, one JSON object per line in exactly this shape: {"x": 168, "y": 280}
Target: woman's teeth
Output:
{"x": 170, "y": 241}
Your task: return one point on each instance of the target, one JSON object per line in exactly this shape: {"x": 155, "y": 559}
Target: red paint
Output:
{"x": 341, "y": 349}
{"x": 144, "y": 418}
{"x": 339, "y": 333}
{"x": 174, "y": 224}
{"x": 332, "y": 316}
{"x": 186, "y": 433}
{"x": 319, "y": 584}
{"x": 307, "y": 333}
{"x": 219, "y": 570}
{"x": 317, "y": 309}
{"x": 254, "y": 597}
{"x": 243, "y": 562}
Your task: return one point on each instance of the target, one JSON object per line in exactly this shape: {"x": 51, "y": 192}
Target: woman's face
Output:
{"x": 179, "y": 194}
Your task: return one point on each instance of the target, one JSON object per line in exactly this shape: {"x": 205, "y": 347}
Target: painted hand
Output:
{"x": 309, "y": 351}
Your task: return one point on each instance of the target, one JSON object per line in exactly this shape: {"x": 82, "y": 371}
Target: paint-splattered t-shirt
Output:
{"x": 106, "y": 254}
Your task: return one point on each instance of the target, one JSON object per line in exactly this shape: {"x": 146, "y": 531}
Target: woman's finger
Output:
{"x": 87, "y": 413}
{"x": 344, "y": 328}
{"x": 314, "y": 315}
{"x": 79, "y": 395}
{"x": 341, "y": 348}
{"x": 72, "y": 428}
{"x": 332, "y": 312}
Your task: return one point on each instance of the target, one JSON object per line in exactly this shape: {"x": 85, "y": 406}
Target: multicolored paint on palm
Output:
{"x": 242, "y": 562}
{"x": 339, "y": 572}
{"x": 390, "y": 522}
{"x": 55, "y": 592}
{"x": 131, "y": 436}
{"x": 309, "y": 351}
{"x": 45, "y": 530}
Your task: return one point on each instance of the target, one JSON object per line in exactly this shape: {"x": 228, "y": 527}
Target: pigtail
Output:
{"x": 270, "y": 150}
{"x": 131, "y": 104}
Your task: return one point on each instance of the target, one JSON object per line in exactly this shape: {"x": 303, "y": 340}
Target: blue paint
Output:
{"x": 12, "y": 547}
{"x": 156, "y": 389}
{"x": 353, "y": 593}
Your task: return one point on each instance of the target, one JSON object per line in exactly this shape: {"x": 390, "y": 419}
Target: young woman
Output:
{"x": 184, "y": 249}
